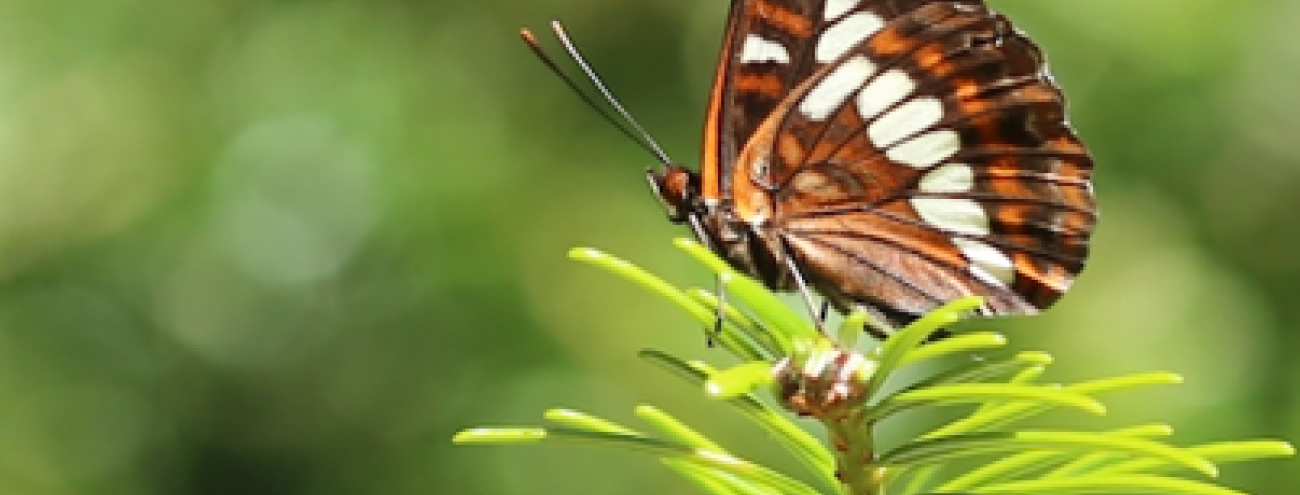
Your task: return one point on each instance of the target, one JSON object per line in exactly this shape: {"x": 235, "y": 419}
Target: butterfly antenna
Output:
{"x": 642, "y": 136}
{"x": 641, "y": 140}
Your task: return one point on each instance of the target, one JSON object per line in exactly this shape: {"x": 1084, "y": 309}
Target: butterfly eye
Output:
{"x": 678, "y": 190}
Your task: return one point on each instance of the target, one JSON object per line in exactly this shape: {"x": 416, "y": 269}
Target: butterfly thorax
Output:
{"x": 744, "y": 245}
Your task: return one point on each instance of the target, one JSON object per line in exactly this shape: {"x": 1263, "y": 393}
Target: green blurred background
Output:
{"x": 291, "y": 246}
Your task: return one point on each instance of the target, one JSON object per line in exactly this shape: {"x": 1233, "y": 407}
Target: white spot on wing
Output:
{"x": 950, "y": 178}
{"x": 833, "y": 90}
{"x": 963, "y": 216}
{"x": 926, "y": 149}
{"x": 757, "y": 49}
{"x": 846, "y": 34}
{"x": 836, "y": 8}
{"x": 909, "y": 118}
{"x": 987, "y": 262}
{"x": 886, "y": 90}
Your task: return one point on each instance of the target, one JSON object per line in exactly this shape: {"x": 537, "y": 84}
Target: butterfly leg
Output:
{"x": 804, "y": 289}
{"x": 716, "y": 331}
{"x": 877, "y": 325}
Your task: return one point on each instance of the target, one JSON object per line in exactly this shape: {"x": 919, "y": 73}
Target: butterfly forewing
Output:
{"x": 894, "y": 154}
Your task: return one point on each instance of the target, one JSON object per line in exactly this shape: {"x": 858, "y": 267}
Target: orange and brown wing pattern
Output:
{"x": 761, "y": 62}
{"x": 925, "y": 157}
{"x": 770, "y": 48}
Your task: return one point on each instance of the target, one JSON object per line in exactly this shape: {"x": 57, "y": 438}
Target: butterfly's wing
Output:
{"x": 905, "y": 153}
{"x": 770, "y": 47}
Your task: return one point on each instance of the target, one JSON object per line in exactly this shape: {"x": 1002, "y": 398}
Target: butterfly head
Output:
{"x": 678, "y": 189}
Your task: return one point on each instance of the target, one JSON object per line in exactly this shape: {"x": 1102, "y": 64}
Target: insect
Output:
{"x": 888, "y": 154}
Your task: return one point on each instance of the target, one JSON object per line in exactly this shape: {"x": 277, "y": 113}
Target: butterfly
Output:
{"x": 890, "y": 155}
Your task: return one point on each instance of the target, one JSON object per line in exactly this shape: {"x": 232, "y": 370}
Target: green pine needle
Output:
{"x": 784, "y": 353}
